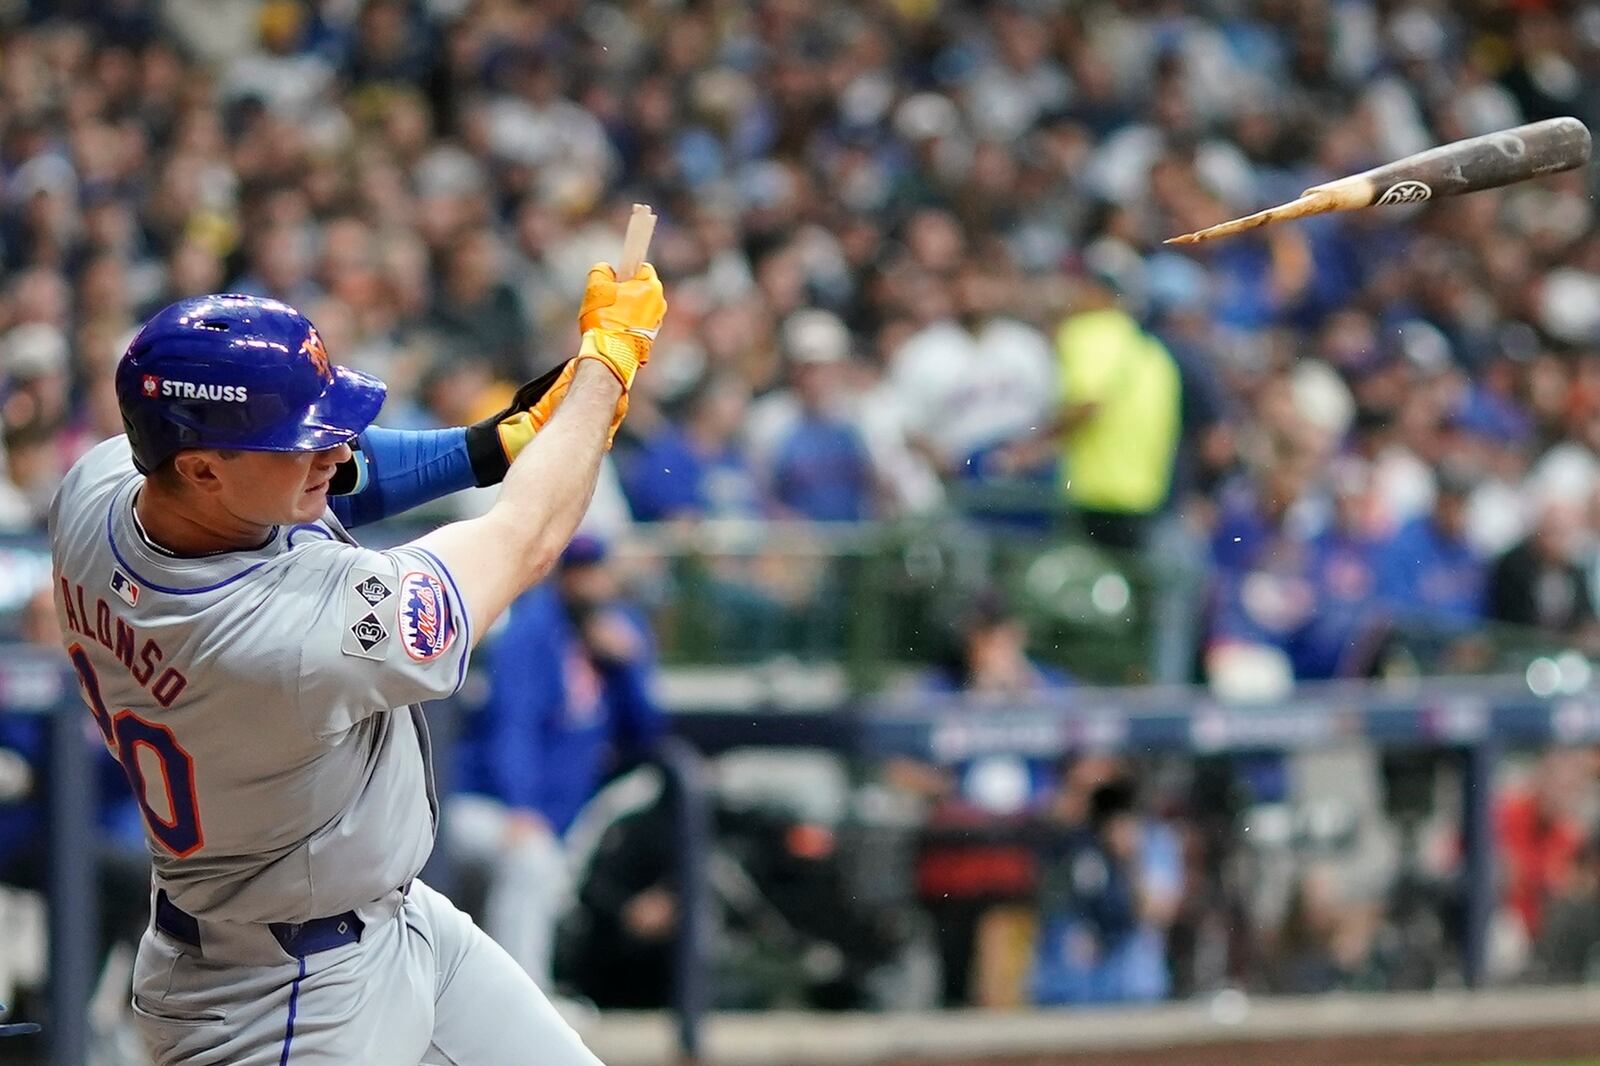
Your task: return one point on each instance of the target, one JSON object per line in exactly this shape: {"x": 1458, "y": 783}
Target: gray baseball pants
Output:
{"x": 422, "y": 987}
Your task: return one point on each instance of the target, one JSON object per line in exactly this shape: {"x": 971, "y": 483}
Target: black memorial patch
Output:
{"x": 369, "y": 632}
{"x": 373, "y": 590}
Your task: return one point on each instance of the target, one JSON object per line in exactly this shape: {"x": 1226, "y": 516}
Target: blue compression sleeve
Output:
{"x": 405, "y": 468}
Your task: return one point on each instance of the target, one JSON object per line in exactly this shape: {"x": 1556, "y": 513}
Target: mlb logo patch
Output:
{"x": 125, "y": 588}
{"x": 426, "y": 627}
{"x": 151, "y": 385}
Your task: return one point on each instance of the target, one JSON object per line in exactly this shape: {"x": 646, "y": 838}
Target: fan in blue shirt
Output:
{"x": 698, "y": 470}
{"x": 1431, "y": 575}
{"x": 820, "y": 468}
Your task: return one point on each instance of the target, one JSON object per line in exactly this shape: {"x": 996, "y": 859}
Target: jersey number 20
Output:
{"x": 125, "y": 733}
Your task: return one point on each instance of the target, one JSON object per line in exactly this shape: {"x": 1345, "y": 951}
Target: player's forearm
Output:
{"x": 548, "y": 488}
{"x": 405, "y": 468}
{"x": 491, "y": 560}
{"x": 494, "y": 558}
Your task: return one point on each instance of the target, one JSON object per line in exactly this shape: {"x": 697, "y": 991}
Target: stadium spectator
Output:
{"x": 1325, "y": 940}
{"x": 280, "y": 75}
{"x": 1540, "y": 830}
{"x": 621, "y": 946}
{"x": 1342, "y": 635}
{"x": 570, "y": 703}
{"x": 1177, "y": 290}
{"x": 121, "y": 859}
{"x": 812, "y": 459}
{"x": 1111, "y": 880}
{"x": 389, "y": 46}
{"x": 1262, "y": 596}
{"x": 699, "y": 470}
{"x": 974, "y": 379}
{"x": 35, "y": 412}
{"x": 23, "y": 748}
{"x": 1431, "y": 575}
{"x": 1567, "y": 950}
{"x": 475, "y": 312}
{"x": 1120, "y": 419}
{"x": 280, "y": 267}
{"x": 974, "y": 876}
{"x": 1538, "y": 583}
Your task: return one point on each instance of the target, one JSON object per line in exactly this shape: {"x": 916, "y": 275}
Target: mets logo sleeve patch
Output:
{"x": 426, "y": 624}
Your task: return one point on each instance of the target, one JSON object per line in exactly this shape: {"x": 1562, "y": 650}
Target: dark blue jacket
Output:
{"x": 25, "y": 822}
{"x": 556, "y": 722}
{"x": 1343, "y": 571}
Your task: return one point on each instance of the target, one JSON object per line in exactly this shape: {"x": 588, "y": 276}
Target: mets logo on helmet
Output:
{"x": 426, "y": 628}
{"x": 317, "y": 352}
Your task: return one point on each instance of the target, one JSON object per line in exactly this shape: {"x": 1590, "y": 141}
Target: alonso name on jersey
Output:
{"x": 107, "y": 628}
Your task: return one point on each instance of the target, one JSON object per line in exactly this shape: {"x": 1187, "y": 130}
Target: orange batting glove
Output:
{"x": 494, "y": 442}
{"x": 619, "y": 320}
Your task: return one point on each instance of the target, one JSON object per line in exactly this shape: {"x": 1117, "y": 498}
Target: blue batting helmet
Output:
{"x": 231, "y": 371}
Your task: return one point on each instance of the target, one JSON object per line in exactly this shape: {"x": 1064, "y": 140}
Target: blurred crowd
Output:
{"x": 913, "y": 251}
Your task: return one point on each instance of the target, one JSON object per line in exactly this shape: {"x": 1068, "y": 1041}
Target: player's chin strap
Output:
{"x": 352, "y": 475}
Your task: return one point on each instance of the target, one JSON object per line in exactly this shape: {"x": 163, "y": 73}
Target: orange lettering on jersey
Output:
{"x": 66, "y": 602}
{"x": 102, "y": 623}
{"x": 167, "y": 686}
{"x": 149, "y": 656}
{"x": 114, "y": 633}
{"x": 126, "y": 639}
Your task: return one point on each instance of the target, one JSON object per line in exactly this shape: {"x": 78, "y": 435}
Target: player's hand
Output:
{"x": 620, "y": 319}
{"x": 634, "y": 305}
{"x": 624, "y": 318}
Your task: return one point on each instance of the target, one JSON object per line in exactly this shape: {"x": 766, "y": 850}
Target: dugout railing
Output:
{"x": 1478, "y": 717}
{"x": 870, "y": 601}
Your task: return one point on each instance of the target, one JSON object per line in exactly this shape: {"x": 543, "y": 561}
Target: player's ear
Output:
{"x": 197, "y": 469}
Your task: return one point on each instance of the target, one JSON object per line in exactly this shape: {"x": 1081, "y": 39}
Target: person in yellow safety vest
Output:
{"x": 1119, "y": 421}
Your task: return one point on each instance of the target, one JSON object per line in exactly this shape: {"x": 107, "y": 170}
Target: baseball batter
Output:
{"x": 257, "y": 673}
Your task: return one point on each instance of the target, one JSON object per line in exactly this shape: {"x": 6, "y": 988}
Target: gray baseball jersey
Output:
{"x": 252, "y": 698}
{"x": 263, "y": 705}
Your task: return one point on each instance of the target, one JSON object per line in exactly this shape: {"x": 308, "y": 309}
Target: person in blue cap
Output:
{"x": 569, "y": 704}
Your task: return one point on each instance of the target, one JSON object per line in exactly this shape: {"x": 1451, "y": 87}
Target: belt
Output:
{"x": 298, "y": 939}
